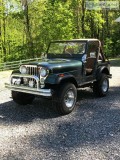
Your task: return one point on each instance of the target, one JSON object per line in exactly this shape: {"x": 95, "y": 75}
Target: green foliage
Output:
{"x": 27, "y": 28}
{"x": 108, "y": 47}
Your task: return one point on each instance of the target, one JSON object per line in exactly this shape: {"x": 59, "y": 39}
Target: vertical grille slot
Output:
{"x": 32, "y": 70}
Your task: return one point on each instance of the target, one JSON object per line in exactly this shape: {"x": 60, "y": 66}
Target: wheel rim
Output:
{"x": 69, "y": 98}
{"x": 105, "y": 85}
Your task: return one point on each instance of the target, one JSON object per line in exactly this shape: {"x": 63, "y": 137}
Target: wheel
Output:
{"x": 66, "y": 98}
{"x": 101, "y": 87}
{"x": 22, "y": 98}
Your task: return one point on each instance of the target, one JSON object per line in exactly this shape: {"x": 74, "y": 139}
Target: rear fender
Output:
{"x": 102, "y": 70}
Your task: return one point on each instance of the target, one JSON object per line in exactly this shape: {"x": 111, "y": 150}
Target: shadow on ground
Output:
{"x": 40, "y": 108}
{"x": 44, "y": 109}
{"x": 14, "y": 113}
{"x": 95, "y": 122}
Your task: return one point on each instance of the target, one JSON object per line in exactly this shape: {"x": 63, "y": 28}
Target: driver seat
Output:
{"x": 90, "y": 63}
{"x": 69, "y": 50}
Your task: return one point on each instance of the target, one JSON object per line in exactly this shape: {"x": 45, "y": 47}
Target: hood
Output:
{"x": 59, "y": 64}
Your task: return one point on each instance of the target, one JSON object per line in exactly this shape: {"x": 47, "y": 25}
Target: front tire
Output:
{"x": 101, "y": 86}
{"x": 22, "y": 98}
{"x": 66, "y": 98}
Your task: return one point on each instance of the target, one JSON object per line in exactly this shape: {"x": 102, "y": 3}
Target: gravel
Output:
{"x": 38, "y": 132}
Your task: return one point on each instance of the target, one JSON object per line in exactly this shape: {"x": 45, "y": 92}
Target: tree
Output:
{"x": 3, "y": 17}
{"x": 27, "y": 27}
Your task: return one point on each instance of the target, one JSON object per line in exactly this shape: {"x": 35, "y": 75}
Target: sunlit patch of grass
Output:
{"x": 115, "y": 62}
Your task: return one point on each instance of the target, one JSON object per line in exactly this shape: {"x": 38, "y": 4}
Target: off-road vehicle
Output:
{"x": 68, "y": 65}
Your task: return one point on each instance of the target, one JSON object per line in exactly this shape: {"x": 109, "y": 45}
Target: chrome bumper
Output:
{"x": 40, "y": 92}
{"x": 24, "y": 89}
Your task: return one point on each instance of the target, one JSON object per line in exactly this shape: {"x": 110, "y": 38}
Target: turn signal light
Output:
{"x": 61, "y": 75}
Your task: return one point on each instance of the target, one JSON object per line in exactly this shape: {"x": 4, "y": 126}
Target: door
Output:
{"x": 91, "y": 60}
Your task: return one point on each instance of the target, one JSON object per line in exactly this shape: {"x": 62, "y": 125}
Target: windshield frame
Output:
{"x": 68, "y": 41}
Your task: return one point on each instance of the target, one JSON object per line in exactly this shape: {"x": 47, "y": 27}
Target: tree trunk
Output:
{"x": 107, "y": 23}
{"x": 3, "y": 31}
{"x": 83, "y": 17}
{"x": 0, "y": 37}
{"x": 27, "y": 28}
{"x": 78, "y": 20}
{"x": 4, "y": 38}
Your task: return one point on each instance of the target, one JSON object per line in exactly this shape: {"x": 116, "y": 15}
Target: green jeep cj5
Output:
{"x": 68, "y": 65}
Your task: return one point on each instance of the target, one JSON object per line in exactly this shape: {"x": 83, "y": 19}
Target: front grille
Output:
{"x": 32, "y": 70}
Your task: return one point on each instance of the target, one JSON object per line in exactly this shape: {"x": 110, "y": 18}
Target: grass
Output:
{"x": 115, "y": 62}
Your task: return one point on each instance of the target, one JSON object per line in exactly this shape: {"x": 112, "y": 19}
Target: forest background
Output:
{"x": 27, "y": 26}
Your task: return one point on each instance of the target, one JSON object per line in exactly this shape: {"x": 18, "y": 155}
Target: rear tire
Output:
{"x": 101, "y": 87}
{"x": 66, "y": 98}
{"x": 22, "y": 98}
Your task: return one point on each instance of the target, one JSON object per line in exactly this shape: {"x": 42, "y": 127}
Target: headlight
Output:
{"x": 23, "y": 69}
{"x": 43, "y": 72}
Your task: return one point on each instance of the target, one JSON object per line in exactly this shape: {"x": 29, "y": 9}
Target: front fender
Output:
{"x": 58, "y": 78}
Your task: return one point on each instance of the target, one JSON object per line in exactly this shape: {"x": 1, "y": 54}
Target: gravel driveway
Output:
{"x": 37, "y": 132}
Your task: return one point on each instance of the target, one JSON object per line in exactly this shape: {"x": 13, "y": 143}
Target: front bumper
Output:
{"x": 36, "y": 91}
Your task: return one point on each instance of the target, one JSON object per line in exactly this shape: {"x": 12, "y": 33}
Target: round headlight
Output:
{"x": 23, "y": 69}
{"x": 43, "y": 72}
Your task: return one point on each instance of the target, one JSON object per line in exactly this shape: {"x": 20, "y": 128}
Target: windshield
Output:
{"x": 67, "y": 48}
